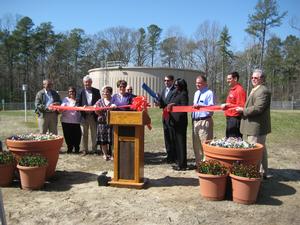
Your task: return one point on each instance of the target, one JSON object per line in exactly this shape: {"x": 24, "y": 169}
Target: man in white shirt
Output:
{"x": 202, "y": 122}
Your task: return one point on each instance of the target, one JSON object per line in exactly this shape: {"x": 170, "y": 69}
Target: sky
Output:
{"x": 184, "y": 15}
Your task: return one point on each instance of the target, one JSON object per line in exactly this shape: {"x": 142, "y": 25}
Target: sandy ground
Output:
{"x": 74, "y": 197}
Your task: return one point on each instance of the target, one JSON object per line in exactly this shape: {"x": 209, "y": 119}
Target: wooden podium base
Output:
{"x": 127, "y": 184}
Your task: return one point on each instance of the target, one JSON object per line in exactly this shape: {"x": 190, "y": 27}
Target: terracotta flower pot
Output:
{"x": 227, "y": 156}
{"x": 245, "y": 190}
{"x": 212, "y": 187}
{"x": 6, "y": 174}
{"x": 48, "y": 148}
{"x": 32, "y": 178}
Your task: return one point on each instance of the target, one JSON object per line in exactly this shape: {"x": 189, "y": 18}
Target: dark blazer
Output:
{"x": 164, "y": 101}
{"x": 81, "y": 99}
{"x": 40, "y": 101}
{"x": 179, "y": 118}
{"x": 256, "y": 118}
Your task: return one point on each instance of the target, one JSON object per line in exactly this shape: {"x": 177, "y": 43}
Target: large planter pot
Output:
{"x": 6, "y": 174}
{"x": 48, "y": 148}
{"x": 212, "y": 187}
{"x": 245, "y": 190}
{"x": 32, "y": 178}
{"x": 227, "y": 156}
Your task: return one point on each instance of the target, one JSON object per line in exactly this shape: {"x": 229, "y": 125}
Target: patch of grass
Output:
{"x": 285, "y": 127}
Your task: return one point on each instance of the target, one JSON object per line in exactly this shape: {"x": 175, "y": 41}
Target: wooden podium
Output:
{"x": 128, "y": 128}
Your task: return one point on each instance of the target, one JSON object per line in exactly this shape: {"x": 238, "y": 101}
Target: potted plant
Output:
{"x": 47, "y": 145}
{"x": 229, "y": 150}
{"x": 7, "y": 166}
{"x": 32, "y": 169}
{"x": 212, "y": 178}
{"x": 246, "y": 180}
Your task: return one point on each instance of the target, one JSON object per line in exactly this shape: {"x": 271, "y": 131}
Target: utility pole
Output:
{"x": 24, "y": 88}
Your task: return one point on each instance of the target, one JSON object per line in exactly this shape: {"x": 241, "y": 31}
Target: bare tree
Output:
{"x": 119, "y": 43}
{"x": 206, "y": 39}
{"x": 294, "y": 22}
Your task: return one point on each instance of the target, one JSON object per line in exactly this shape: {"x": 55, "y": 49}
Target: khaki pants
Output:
{"x": 202, "y": 131}
{"x": 261, "y": 140}
{"x": 48, "y": 123}
{"x": 89, "y": 123}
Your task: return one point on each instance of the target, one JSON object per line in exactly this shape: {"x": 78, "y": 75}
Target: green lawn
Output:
{"x": 285, "y": 126}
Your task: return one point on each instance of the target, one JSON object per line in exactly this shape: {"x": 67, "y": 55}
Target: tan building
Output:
{"x": 136, "y": 76}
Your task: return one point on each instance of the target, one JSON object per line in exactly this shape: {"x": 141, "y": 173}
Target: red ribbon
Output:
{"x": 139, "y": 103}
{"x": 193, "y": 109}
{"x": 83, "y": 108}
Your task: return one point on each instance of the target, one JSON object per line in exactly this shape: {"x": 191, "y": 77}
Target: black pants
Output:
{"x": 72, "y": 135}
{"x": 178, "y": 139}
{"x": 171, "y": 153}
{"x": 233, "y": 126}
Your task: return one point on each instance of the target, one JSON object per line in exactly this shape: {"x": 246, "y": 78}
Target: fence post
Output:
{"x": 3, "y": 103}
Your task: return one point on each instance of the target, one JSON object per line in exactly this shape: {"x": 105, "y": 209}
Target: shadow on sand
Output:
{"x": 276, "y": 186}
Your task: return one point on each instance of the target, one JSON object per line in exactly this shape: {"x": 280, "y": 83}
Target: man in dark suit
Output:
{"x": 88, "y": 96}
{"x": 47, "y": 119}
{"x": 163, "y": 100}
{"x": 256, "y": 121}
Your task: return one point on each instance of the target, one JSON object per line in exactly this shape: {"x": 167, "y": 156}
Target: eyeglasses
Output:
{"x": 255, "y": 78}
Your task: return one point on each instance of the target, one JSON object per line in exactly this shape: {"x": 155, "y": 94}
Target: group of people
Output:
{"x": 247, "y": 118}
{"x": 76, "y": 125}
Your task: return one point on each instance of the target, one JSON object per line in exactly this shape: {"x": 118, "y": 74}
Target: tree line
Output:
{"x": 29, "y": 53}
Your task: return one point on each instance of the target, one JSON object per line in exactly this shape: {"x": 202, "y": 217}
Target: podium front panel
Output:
{"x": 126, "y": 160}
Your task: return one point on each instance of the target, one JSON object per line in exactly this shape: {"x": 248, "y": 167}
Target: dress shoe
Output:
{"x": 84, "y": 153}
{"x": 168, "y": 161}
{"x": 267, "y": 176}
{"x": 192, "y": 167}
{"x": 178, "y": 168}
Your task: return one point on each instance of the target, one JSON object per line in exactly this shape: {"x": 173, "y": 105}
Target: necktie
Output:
{"x": 194, "y": 113}
{"x": 167, "y": 92}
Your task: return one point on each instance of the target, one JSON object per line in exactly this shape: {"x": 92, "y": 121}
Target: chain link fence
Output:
{"x": 286, "y": 105}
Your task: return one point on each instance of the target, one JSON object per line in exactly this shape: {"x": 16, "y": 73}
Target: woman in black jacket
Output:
{"x": 178, "y": 123}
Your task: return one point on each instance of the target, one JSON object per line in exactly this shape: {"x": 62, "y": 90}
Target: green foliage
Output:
{"x": 245, "y": 170}
{"x": 213, "y": 167}
{"x": 153, "y": 40}
{"x": 6, "y": 158}
{"x": 141, "y": 47}
{"x": 33, "y": 160}
{"x": 265, "y": 17}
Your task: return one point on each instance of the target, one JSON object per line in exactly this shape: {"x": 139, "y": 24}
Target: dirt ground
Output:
{"x": 74, "y": 197}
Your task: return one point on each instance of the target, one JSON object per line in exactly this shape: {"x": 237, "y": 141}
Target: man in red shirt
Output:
{"x": 236, "y": 97}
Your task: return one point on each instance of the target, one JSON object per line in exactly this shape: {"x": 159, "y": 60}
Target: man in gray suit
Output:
{"x": 256, "y": 121}
{"x": 47, "y": 119}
